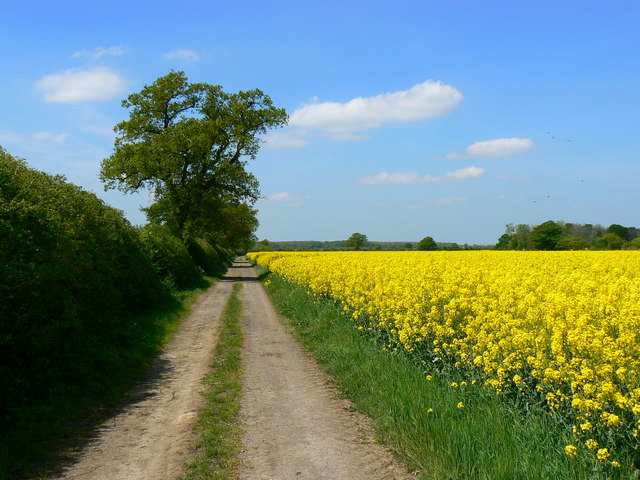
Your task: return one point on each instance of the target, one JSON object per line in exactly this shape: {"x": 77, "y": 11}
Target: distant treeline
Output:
{"x": 316, "y": 245}
{"x": 76, "y": 283}
{"x": 562, "y": 235}
{"x": 549, "y": 235}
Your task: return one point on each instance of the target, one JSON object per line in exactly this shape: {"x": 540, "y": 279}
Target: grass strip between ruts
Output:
{"x": 218, "y": 434}
{"x": 442, "y": 431}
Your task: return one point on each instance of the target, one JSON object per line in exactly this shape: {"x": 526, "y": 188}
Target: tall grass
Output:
{"x": 444, "y": 431}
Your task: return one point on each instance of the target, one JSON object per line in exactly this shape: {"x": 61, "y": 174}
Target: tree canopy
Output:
{"x": 622, "y": 232}
{"x": 427, "y": 243}
{"x": 610, "y": 241}
{"x": 568, "y": 236}
{"x": 357, "y": 241}
{"x": 546, "y": 235}
{"x": 188, "y": 143}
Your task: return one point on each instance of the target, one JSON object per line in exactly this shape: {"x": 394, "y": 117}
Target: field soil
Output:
{"x": 294, "y": 424}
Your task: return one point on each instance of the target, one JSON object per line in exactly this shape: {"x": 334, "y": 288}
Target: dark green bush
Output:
{"x": 73, "y": 273}
{"x": 175, "y": 265}
{"x": 226, "y": 255}
{"x": 212, "y": 260}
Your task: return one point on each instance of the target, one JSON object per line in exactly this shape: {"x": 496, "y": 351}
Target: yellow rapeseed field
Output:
{"x": 563, "y": 327}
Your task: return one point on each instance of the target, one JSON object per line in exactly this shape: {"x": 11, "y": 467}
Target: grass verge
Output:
{"x": 218, "y": 440}
{"x": 445, "y": 432}
{"x": 45, "y": 439}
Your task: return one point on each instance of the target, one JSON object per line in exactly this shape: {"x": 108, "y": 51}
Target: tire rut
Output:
{"x": 294, "y": 425}
{"x": 150, "y": 438}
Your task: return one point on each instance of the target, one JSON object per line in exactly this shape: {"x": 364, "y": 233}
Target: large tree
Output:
{"x": 427, "y": 243}
{"x": 188, "y": 143}
{"x": 610, "y": 241}
{"x": 357, "y": 241}
{"x": 546, "y": 235}
{"x": 622, "y": 232}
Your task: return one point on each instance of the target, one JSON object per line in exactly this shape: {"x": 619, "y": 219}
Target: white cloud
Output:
{"x": 49, "y": 137}
{"x": 415, "y": 178}
{"x": 33, "y": 138}
{"x": 499, "y": 147}
{"x": 289, "y": 199}
{"x": 99, "y": 52}
{"x": 523, "y": 178}
{"x": 74, "y": 86}
{"x": 298, "y": 137}
{"x": 280, "y": 197}
{"x": 288, "y": 139}
{"x": 182, "y": 54}
{"x": 425, "y": 100}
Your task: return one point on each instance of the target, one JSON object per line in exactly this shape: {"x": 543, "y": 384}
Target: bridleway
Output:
{"x": 294, "y": 424}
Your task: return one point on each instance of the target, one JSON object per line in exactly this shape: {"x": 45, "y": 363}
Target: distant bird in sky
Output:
{"x": 553, "y": 137}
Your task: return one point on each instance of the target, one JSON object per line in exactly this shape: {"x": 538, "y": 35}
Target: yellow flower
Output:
{"x": 429, "y": 377}
{"x": 615, "y": 464}
{"x": 568, "y": 319}
{"x": 591, "y": 444}
{"x": 586, "y": 426}
{"x": 571, "y": 450}
{"x": 610, "y": 419}
{"x": 460, "y": 405}
{"x": 603, "y": 454}
{"x": 430, "y": 410}
{"x": 454, "y": 384}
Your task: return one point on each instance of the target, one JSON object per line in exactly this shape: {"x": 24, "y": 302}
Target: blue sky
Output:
{"x": 407, "y": 118}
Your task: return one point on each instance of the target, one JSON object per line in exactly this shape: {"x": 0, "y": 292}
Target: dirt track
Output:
{"x": 149, "y": 439}
{"x": 294, "y": 425}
